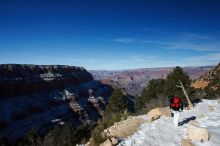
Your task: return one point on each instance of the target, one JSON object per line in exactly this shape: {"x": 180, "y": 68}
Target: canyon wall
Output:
{"x": 134, "y": 81}
{"x": 41, "y": 96}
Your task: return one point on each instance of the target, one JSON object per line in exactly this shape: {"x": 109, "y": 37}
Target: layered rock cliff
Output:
{"x": 41, "y": 96}
{"x": 16, "y": 80}
{"x": 133, "y": 82}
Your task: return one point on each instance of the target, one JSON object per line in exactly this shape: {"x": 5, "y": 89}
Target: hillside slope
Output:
{"x": 207, "y": 78}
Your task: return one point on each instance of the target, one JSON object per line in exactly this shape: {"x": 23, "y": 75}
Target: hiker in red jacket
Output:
{"x": 176, "y": 105}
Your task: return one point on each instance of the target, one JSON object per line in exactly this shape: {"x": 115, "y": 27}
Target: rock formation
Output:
{"x": 204, "y": 80}
{"x": 186, "y": 142}
{"x": 124, "y": 128}
{"x": 196, "y": 133}
{"x": 164, "y": 111}
{"x": 133, "y": 82}
{"x": 41, "y": 96}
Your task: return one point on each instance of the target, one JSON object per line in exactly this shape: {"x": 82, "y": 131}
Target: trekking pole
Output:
{"x": 184, "y": 91}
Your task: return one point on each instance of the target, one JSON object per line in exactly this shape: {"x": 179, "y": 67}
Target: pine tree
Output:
{"x": 153, "y": 91}
{"x": 117, "y": 102}
{"x": 173, "y": 79}
{"x": 154, "y": 88}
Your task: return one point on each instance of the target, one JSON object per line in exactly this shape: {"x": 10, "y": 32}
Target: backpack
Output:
{"x": 175, "y": 102}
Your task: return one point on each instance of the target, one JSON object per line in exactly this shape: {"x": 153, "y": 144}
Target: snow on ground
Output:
{"x": 163, "y": 133}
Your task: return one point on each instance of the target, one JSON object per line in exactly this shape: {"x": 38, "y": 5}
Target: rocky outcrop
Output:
{"x": 195, "y": 133}
{"x": 203, "y": 81}
{"x": 157, "y": 112}
{"x": 40, "y": 97}
{"x": 110, "y": 142}
{"x": 124, "y": 128}
{"x": 200, "y": 84}
{"x": 186, "y": 142}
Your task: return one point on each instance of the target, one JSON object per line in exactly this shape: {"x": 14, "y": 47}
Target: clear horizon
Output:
{"x": 111, "y": 34}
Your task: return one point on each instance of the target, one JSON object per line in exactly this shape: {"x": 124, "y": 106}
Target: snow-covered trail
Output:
{"x": 163, "y": 133}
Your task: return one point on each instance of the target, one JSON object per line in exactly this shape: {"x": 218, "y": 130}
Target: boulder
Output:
{"x": 114, "y": 141}
{"x": 165, "y": 111}
{"x": 106, "y": 143}
{"x": 210, "y": 108}
{"x": 151, "y": 119}
{"x": 193, "y": 123}
{"x": 197, "y": 133}
{"x": 201, "y": 116}
{"x": 90, "y": 142}
{"x": 186, "y": 142}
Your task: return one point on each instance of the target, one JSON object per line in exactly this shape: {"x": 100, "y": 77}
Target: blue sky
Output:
{"x": 110, "y": 34}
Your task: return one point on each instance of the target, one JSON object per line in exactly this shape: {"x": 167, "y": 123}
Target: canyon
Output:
{"x": 42, "y": 96}
{"x": 134, "y": 81}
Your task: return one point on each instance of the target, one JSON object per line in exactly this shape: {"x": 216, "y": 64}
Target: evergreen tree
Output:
{"x": 117, "y": 102}
{"x": 114, "y": 112}
{"x": 158, "y": 90}
{"x": 154, "y": 90}
{"x": 139, "y": 103}
{"x": 63, "y": 135}
{"x": 173, "y": 79}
